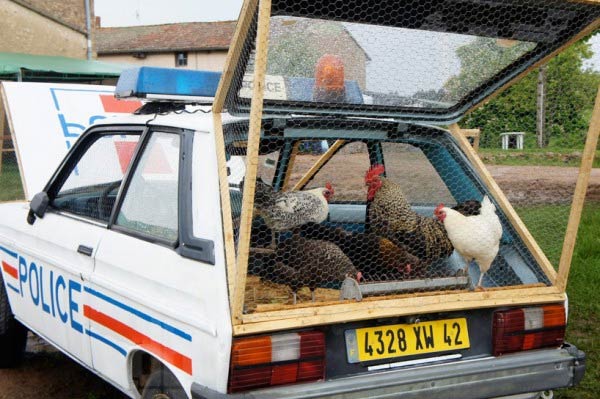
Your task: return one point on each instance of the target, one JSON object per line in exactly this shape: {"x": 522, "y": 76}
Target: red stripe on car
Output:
{"x": 177, "y": 359}
{"x": 10, "y": 270}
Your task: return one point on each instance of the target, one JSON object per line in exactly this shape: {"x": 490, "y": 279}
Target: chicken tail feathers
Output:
{"x": 487, "y": 205}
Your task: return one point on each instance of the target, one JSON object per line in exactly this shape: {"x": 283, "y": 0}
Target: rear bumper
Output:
{"x": 533, "y": 371}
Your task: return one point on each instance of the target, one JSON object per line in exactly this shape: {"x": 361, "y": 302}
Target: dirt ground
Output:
{"x": 523, "y": 185}
{"x": 48, "y": 374}
{"x": 542, "y": 184}
{"x": 51, "y": 375}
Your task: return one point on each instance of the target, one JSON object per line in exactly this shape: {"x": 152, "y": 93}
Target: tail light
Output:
{"x": 265, "y": 361}
{"x": 528, "y": 328}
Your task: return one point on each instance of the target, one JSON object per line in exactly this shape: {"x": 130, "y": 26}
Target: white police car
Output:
{"x": 127, "y": 260}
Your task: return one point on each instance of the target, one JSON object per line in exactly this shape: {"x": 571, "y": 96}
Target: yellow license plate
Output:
{"x": 375, "y": 343}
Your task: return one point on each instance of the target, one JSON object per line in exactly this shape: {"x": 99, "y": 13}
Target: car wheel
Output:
{"x": 162, "y": 384}
{"x": 13, "y": 335}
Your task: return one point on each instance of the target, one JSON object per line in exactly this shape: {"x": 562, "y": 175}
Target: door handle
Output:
{"x": 82, "y": 249}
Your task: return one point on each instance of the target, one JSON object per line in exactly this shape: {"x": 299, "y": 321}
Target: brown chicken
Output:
{"x": 301, "y": 262}
{"x": 390, "y": 215}
{"x": 377, "y": 257}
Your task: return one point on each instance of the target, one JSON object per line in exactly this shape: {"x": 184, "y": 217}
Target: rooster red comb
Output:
{"x": 373, "y": 172}
{"x": 438, "y": 208}
{"x": 329, "y": 187}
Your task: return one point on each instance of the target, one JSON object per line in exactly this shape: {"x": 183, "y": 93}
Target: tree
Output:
{"x": 570, "y": 93}
{"x": 289, "y": 57}
{"x": 480, "y": 60}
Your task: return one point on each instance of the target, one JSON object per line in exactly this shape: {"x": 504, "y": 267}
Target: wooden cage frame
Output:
{"x": 296, "y": 316}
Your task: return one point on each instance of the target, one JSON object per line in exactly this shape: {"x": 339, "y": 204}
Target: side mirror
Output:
{"x": 38, "y": 206}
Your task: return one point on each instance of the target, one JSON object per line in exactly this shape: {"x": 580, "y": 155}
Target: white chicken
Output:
{"x": 474, "y": 237}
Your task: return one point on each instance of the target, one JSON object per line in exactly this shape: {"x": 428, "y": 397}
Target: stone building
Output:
{"x": 194, "y": 45}
{"x": 42, "y": 27}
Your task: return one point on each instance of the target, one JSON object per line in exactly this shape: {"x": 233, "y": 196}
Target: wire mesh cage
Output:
{"x": 10, "y": 179}
{"x": 343, "y": 225}
{"x": 354, "y": 193}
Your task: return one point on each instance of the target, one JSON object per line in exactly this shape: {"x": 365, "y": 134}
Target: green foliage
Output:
{"x": 570, "y": 93}
{"x": 10, "y": 183}
{"x": 288, "y": 57}
{"x": 480, "y": 60}
{"x": 294, "y": 51}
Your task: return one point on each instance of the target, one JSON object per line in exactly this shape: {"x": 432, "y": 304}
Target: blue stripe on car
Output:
{"x": 8, "y": 251}
{"x": 12, "y": 287}
{"x": 107, "y": 342}
{"x": 140, "y": 314}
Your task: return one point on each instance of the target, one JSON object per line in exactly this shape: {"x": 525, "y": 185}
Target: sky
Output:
{"x": 151, "y": 12}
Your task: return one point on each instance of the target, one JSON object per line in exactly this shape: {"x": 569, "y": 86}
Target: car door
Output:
{"x": 155, "y": 288}
{"x": 54, "y": 255}
{"x": 133, "y": 266}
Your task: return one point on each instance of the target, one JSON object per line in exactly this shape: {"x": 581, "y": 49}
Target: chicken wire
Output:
{"x": 11, "y": 187}
{"x": 315, "y": 255}
{"x": 409, "y": 61}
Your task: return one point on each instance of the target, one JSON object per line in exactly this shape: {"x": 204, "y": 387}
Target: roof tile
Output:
{"x": 167, "y": 37}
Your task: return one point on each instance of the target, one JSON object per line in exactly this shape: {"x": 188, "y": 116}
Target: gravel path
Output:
{"x": 542, "y": 184}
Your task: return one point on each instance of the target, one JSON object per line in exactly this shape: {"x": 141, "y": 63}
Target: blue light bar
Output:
{"x": 145, "y": 82}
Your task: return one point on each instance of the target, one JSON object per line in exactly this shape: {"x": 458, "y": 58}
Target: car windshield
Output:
{"x": 382, "y": 65}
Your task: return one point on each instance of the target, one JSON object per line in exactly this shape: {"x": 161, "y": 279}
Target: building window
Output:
{"x": 181, "y": 59}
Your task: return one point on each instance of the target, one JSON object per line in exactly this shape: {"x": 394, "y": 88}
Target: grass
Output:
{"x": 536, "y": 156}
{"x": 547, "y": 224}
{"x": 10, "y": 183}
{"x": 583, "y": 288}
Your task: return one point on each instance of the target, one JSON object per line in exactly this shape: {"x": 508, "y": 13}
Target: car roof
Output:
{"x": 193, "y": 118}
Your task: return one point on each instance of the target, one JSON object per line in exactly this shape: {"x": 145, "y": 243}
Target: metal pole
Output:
{"x": 541, "y": 107}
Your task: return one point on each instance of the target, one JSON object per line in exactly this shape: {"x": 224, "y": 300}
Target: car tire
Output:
{"x": 13, "y": 335}
{"x": 162, "y": 384}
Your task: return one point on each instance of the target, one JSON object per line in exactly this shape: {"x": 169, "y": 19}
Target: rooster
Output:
{"x": 302, "y": 262}
{"x": 390, "y": 215}
{"x": 377, "y": 257}
{"x": 282, "y": 211}
{"x": 474, "y": 237}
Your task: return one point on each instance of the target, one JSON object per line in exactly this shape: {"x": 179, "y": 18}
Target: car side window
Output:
{"x": 150, "y": 204}
{"x": 92, "y": 185}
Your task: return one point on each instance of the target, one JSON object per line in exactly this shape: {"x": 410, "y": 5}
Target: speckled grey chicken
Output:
{"x": 390, "y": 215}
{"x": 282, "y": 211}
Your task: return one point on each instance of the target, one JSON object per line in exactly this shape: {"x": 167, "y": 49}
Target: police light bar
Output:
{"x": 168, "y": 84}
